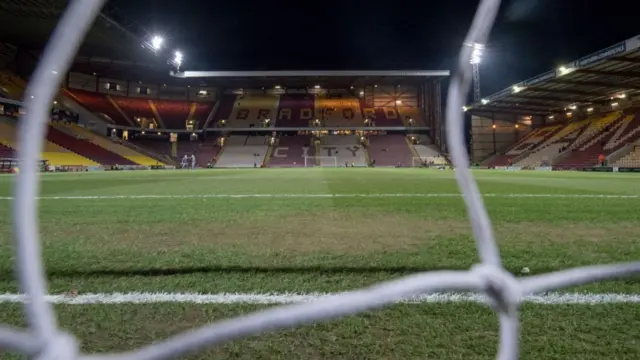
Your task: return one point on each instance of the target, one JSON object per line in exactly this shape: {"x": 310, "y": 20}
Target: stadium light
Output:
{"x": 177, "y": 57}
{"x": 317, "y": 87}
{"x": 476, "y": 54}
{"x": 156, "y": 42}
{"x": 622, "y": 96}
{"x": 484, "y": 101}
{"x": 573, "y": 107}
{"x": 517, "y": 89}
{"x": 465, "y": 109}
{"x": 590, "y": 110}
{"x": 614, "y": 104}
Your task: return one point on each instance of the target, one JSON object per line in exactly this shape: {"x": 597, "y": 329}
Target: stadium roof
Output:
{"x": 29, "y": 23}
{"x": 305, "y": 78}
{"x": 596, "y": 79}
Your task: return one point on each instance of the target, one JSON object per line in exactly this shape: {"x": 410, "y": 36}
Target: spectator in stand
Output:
{"x": 601, "y": 159}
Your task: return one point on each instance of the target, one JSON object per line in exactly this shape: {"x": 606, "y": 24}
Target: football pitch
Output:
{"x": 135, "y": 257}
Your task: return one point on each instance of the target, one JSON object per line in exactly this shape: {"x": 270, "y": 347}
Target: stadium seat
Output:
{"x": 11, "y": 86}
{"x": 99, "y": 104}
{"x": 291, "y": 151}
{"x": 174, "y": 114}
{"x": 589, "y": 145}
{"x": 201, "y": 112}
{"x": 430, "y": 154}
{"x": 241, "y": 151}
{"x": 389, "y": 150}
{"x": 251, "y": 110}
{"x": 109, "y": 145}
{"x": 627, "y": 131}
{"x": 337, "y": 112}
{"x": 631, "y": 159}
{"x": 295, "y": 110}
{"x": 6, "y": 152}
{"x": 414, "y": 114}
{"x": 227, "y": 102}
{"x": 55, "y": 154}
{"x": 549, "y": 149}
{"x": 86, "y": 148}
{"x": 345, "y": 148}
{"x": 386, "y": 116}
{"x": 135, "y": 108}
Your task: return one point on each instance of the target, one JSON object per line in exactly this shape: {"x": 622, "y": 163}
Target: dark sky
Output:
{"x": 530, "y": 37}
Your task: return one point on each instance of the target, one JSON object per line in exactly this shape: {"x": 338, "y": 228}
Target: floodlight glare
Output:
{"x": 484, "y": 101}
{"x": 178, "y": 57}
{"x": 156, "y": 42}
{"x": 476, "y": 54}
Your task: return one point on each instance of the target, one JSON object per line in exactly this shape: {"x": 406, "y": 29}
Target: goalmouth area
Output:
{"x": 197, "y": 246}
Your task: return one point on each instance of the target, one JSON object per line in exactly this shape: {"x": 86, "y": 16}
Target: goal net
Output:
{"x": 503, "y": 291}
{"x": 320, "y": 161}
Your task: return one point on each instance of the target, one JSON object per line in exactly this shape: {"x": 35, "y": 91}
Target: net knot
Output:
{"x": 62, "y": 346}
{"x": 502, "y": 288}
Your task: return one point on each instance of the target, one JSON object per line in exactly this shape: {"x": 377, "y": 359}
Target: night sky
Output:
{"x": 531, "y": 36}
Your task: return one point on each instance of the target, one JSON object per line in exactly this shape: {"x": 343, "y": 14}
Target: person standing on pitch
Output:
{"x": 193, "y": 161}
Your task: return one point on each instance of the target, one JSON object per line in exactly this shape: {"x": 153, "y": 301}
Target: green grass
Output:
{"x": 306, "y": 244}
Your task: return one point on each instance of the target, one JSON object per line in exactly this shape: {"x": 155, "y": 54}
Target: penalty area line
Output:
{"x": 554, "y": 298}
{"x": 373, "y": 195}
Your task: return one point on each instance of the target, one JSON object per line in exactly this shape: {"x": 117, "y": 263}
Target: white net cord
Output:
{"x": 44, "y": 341}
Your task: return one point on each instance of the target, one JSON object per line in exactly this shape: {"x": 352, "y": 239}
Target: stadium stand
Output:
{"x": 346, "y": 148}
{"x": 207, "y": 154}
{"x": 410, "y": 116}
{"x": 387, "y": 116}
{"x": 53, "y": 153}
{"x": 6, "y": 152}
{"x": 290, "y": 151}
{"x": 99, "y": 104}
{"x": 174, "y": 114}
{"x": 430, "y": 154}
{"x": 584, "y": 151}
{"x": 243, "y": 151}
{"x": 134, "y": 108}
{"x": 545, "y": 153}
{"x": 389, "y": 150}
{"x": 524, "y": 146}
{"x": 200, "y": 112}
{"x": 251, "y": 110}
{"x": 227, "y": 102}
{"x": 295, "y": 110}
{"x": 109, "y": 145}
{"x": 85, "y": 148}
{"x": 627, "y": 131}
{"x": 11, "y": 86}
{"x": 631, "y": 159}
{"x": 338, "y": 111}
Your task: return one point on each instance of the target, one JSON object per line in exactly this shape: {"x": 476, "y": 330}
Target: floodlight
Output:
{"x": 317, "y": 87}
{"x": 517, "y": 89}
{"x": 476, "y": 54}
{"x": 484, "y": 101}
{"x": 156, "y": 42}
{"x": 177, "y": 57}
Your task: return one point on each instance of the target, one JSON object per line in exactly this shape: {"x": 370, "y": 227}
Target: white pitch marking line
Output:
{"x": 240, "y": 196}
{"x": 287, "y": 298}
